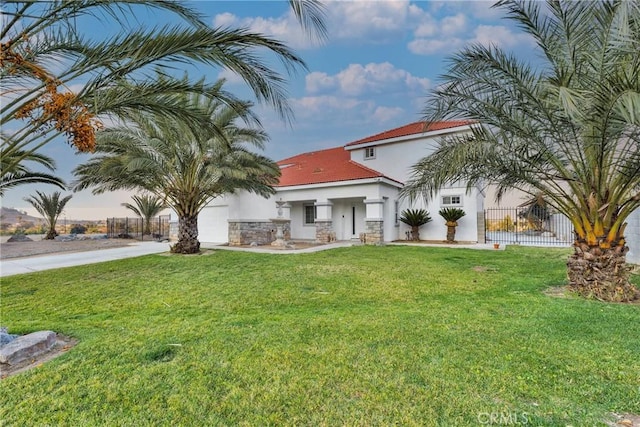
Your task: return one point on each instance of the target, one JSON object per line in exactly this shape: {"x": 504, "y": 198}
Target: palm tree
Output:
{"x": 146, "y": 207}
{"x": 451, "y": 216}
{"x": 50, "y": 207}
{"x": 569, "y": 129}
{"x": 415, "y": 218}
{"x": 43, "y": 54}
{"x": 15, "y": 167}
{"x": 186, "y": 166}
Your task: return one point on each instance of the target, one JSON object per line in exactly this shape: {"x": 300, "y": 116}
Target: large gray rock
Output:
{"x": 19, "y": 238}
{"x": 27, "y": 346}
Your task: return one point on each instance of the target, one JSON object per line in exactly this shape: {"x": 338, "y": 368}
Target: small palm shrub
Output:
{"x": 50, "y": 207}
{"x": 451, "y": 216}
{"x": 415, "y": 218}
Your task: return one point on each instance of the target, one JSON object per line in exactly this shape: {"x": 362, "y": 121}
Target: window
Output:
{"x": 396, "y": 208}
{"x": 309, "y": 212}
{"x": 451, "y": 200}
{"x": 370, "y": 153}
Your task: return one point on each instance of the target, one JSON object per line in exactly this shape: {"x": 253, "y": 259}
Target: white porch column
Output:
{"x": 324, "y": 221}
{"x": 323, "y": 210}
{"x": 374, "y": 222}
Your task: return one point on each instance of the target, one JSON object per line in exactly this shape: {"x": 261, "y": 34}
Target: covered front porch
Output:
{"x": 362, "y": 210}
{"x": 337, "y": 219}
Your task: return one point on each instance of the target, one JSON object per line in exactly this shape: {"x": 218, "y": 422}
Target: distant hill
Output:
{"x": 14, "y": 216}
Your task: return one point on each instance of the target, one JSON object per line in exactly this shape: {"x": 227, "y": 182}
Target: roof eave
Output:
{"x": 408, "y": 137}
{"x": 361, "y": 181}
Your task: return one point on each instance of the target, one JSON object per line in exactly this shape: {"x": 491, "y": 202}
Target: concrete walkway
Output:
{"x": 12, "y": 266}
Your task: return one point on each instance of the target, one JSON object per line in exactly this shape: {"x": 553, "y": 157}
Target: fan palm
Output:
{"x": 451, "y": 216}
{"x": 186, "y": 166}
{"x": 43, "y": 53}
{"x": 569, "y": 130}
{"x": 50, "y": 207}
{"x": 415, "y": 218}
{"x": 146, "y": 207}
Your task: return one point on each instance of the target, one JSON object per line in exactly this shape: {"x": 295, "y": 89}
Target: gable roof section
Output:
{"x": 410, "y": 129}
{"x": 316, "y": 167}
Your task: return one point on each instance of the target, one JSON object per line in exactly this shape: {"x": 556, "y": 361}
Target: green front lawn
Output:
{"x": 353, "y": 336}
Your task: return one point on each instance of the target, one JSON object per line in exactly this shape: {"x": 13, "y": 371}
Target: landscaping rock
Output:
{"x": 19, "y": 238}
{"x": 6, "y": 337}
{"x": 27, "y": 346}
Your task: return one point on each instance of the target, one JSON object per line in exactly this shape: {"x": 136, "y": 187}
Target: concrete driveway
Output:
{"x": 12, "y": 266}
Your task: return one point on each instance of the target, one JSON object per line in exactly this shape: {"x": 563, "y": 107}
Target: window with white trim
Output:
{"x": 454, "y": 200}
{"x": 309, "y": 213}
{"x": 370, "y": 153}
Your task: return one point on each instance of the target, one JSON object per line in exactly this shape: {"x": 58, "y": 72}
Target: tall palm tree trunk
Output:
{"x": 51, "y": 234}
{"x": 187, "y": 235}
{"x": 601, "y": 273}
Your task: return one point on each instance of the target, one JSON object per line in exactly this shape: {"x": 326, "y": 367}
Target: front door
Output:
{"x": 349, "y": 223}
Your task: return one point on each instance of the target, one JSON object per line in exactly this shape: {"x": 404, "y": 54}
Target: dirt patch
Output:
{"x": 566, "y": 292}
{"x": 625, "y": 420}
{"x": 559, "y": 292}
{"x": 44, "y": 247}
{"x": 62, "y": 345}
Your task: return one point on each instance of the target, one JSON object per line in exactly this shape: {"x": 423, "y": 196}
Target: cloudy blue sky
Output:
{"x": 373, "y": 73}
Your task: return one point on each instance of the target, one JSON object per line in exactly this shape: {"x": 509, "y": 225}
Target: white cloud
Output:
{"x": 484, "y": 10}
{"x": 486, "y": 35}
{"x": 316, "y": 111}
{"x": 230, "y": 76}
{"x": 370, "y": 79}
{"x": 312, "y": 105}
{"x": 284, "y": 28}
{"x": 225, "y": 20}
{"x": 428, "y": 28}
{"x": 387, "y": 114}
{"x": 319, "y": 82}
{"x": 431, "y": 46}
{"x": 453, "y": 24}
{"x": 363, "y": 19}
{"x": 499, "y": 35}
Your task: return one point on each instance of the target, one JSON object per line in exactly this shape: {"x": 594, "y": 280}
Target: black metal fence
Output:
{"x": 524, "y": 226}
{"x": 133, "y": 228}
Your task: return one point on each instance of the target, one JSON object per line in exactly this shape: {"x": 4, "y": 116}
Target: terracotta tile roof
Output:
{"x": 331, "y": 165}
{"x": 410, "y": 129}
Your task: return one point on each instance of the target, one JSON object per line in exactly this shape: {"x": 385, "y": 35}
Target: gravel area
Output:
{"x": 44, "y": 247}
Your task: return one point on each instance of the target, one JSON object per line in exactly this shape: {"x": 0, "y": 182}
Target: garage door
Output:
{"x": 212, "y": 224}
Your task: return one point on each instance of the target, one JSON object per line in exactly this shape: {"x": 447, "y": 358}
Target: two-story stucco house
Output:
{"x": 348, "y": 192}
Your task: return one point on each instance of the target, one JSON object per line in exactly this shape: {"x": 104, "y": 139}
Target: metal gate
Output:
{"x": 524, "y": 226}
{"x": 132, "y": 228}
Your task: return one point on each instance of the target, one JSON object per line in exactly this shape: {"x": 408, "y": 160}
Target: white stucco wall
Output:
{"x": 632, "y": 233}
{"x": 248, "y": 206}
{"x": 395, "y": 159}
{"x": 467, "y": 229}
